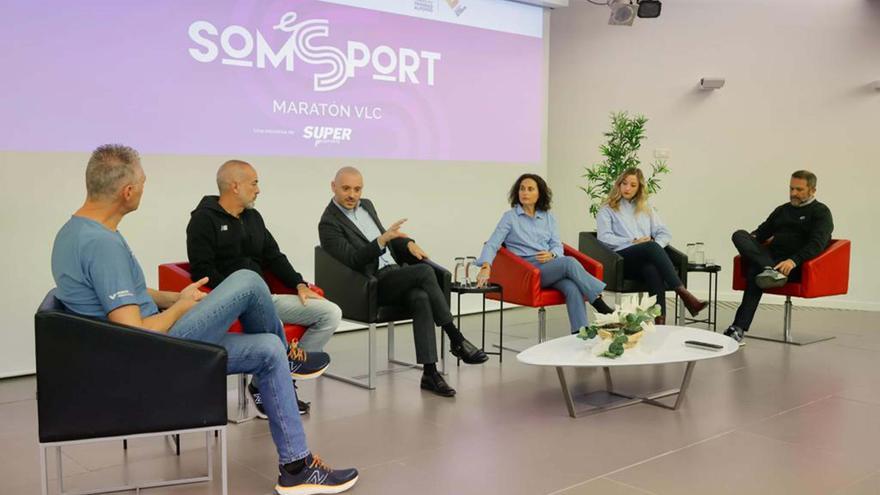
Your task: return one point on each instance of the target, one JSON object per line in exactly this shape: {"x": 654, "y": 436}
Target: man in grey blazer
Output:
{"x": 351, "y": 232}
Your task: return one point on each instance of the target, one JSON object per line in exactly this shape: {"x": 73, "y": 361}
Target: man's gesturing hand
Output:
{"x": 393, "y": 232}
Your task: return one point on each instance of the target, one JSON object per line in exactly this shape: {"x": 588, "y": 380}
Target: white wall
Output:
{"x": 797, "y": 96}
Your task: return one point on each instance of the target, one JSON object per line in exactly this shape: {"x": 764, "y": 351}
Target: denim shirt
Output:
{"x": 617, "y": 229}
{"x": 523, "y": 235}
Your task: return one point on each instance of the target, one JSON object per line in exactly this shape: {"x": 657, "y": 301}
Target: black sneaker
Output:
{"x": 304, "y": 407}
{"x": 258, "y": 400}
{"x": 737, "y": 334}
{"x": 306, "y": 365}
{"x": 315, "y": 478}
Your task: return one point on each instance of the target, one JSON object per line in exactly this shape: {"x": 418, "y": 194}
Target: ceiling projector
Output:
{"x": 624, "y": 12}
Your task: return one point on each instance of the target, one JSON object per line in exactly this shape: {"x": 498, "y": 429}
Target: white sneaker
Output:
{"x": 770, "y": 278}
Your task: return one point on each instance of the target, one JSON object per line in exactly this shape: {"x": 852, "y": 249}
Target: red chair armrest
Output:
{"x": 828, "y": 273}
{"x": 592, "y": 266}
{"x": 175, "y": 277}
{"x": 277, "y": 287}
{"x": 521, "y": 281}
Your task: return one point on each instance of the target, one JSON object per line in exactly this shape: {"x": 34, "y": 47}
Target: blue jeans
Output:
{"x": 261, "y": 350}
{"x": 568, "y": 276}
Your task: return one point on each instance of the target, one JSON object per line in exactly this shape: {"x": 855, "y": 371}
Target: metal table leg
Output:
{"x": 623, "y": 399}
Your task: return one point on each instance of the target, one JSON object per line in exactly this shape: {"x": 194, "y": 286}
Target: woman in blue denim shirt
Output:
{"x": 530, "y": 231}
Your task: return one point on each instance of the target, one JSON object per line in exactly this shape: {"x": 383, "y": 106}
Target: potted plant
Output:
{"x": 621, "y": 152}
{"x": 612, "y": 334}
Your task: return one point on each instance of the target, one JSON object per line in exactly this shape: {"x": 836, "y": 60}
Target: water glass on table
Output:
{"x": 459, "y": 275}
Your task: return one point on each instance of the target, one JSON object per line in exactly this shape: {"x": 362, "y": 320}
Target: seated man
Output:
{"x": 225, "y": 234}
{"x": 351, "y": 232}
{"x": 97, "y": 275}
{"x": 794, "y": 233}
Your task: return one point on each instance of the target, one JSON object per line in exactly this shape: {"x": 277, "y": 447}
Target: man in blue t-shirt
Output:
{"x": 97, "y": 275}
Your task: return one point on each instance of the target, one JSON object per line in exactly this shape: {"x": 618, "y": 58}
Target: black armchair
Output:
{"x": 358, "y": 297}
{"x": 614, "y": 280}
{"x": 98, "y": 380}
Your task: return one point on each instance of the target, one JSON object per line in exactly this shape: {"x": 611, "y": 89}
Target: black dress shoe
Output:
{"x": 467, "y": 352}
{"x": 435, "y": 383}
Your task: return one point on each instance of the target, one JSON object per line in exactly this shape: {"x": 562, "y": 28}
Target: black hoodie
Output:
{"x": 218, "y": 244}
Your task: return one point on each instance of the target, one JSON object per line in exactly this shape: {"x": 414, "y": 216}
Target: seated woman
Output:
{"x": 530, "y": 231}
{"x": 628, "y": 225}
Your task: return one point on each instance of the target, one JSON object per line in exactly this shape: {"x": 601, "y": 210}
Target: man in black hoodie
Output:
{"x": 225, "y": 234}
{"x": 795, "y": 232}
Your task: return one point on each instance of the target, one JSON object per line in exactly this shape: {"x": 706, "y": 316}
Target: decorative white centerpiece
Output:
{"x": 621, "y": 329}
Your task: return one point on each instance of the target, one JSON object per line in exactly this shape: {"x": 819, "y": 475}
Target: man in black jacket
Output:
{"x": 351, "y": 232}
{"x": 794, "y": 233}
{"x": 225, "y": 234}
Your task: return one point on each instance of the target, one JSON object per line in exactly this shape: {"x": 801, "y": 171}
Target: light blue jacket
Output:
{"x": 617, "y": 229}
{"x": 523, "y": 235}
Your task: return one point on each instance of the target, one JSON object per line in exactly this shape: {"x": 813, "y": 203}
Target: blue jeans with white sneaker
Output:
{"x": 261, "y": 351}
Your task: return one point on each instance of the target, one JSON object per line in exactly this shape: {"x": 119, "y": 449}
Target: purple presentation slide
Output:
{"x": 292, "y": 78}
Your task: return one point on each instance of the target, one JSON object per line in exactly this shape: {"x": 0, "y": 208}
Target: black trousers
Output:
{"x": 649, "y": 263}
{"x": 416, "y": 287}
{"x": 757, "y": 256}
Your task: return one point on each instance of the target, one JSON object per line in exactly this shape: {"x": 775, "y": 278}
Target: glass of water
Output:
{"x": 699, "y": 254}
{"x": 460, "y": 271}
{"x": 471, "y": 271}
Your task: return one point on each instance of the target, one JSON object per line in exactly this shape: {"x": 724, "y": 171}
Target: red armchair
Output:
{"x": 522, "y": 282}
{"x": 176, "y": 276}
{"x": 824, "y": 275}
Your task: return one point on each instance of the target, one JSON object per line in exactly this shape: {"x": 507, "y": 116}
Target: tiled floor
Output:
{"x": 770, "y": 419}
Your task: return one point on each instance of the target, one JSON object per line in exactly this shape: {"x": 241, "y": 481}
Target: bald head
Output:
{"x": 347, "y": 187}
{"x": 238, "y": 185}
{"x": 347, "y": 171}
{"x": 231, "y": 172}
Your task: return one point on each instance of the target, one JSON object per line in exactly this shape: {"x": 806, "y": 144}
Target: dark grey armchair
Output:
{"x": 98, "y": 380}
{"x": 589, "y": 244}
{"x": 358, "y": 297}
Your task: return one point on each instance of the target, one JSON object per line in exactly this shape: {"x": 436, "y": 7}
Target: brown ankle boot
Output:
{"x": 660, "y": 320}
{"x": 693, "y": 305}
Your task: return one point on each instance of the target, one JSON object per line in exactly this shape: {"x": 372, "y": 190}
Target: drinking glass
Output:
{"x": 699, "y": 254}
{"x": 690, "y": 252}
{"x": 471, "y": 271}
{"x": 459, "y": 270}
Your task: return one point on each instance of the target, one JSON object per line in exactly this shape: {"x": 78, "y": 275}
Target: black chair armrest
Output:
{"x": 612, "y": 263}
{"x": 99, "y": 379}
{"x": 680, "y": 262}
{"x": 355, "y": 293}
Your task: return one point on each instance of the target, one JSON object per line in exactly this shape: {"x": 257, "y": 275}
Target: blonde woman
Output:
{"x": 627, "y": 224}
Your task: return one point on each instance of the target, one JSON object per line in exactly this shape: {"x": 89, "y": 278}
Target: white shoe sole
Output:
{"x": 770, "y": 282}
{"x": 310, "y": 376}
{"x": 314, "y": 489}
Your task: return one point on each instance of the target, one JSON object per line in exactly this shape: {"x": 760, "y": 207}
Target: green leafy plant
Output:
{"x": 620, "y": 326}
{"x": 620, "y": 152}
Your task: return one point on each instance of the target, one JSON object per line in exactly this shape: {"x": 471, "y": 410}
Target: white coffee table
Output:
{"x": 663, "y": 346}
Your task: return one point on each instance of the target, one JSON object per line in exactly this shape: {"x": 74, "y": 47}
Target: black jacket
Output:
{"x": 218, "y": 244}
{"x": 799, "y": 233}
{"x": 341, "y": 238}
